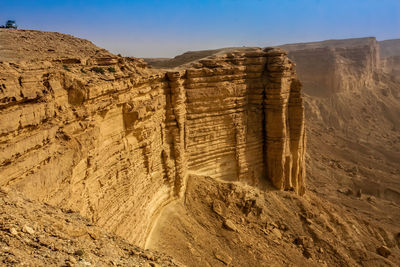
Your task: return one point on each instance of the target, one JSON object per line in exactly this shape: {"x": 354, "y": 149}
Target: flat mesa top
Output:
{"x": 339, "y": 43}
{"x": 31, "y": 45}
{"x": 192, "y": 56}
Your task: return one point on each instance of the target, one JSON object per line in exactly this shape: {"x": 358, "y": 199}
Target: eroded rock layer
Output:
{"x": 116, "y": 140}
{"x": 346, "y": 64}
{"x": 87, "y": 142}
{"x": 240, "y": 117}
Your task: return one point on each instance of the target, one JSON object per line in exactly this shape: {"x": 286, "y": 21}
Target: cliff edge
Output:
{"x": 116, "y": 140}
{"x": 187, "y": 159}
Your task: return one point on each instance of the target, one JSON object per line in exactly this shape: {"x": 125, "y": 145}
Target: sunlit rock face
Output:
{"x": 118, "y": 144}
{"x": 243, "y": 118}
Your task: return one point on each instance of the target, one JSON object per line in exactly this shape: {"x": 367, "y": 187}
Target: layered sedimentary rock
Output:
{"x": 89, "y": 142}
{"x": 348, "y": 82}
{"x": 243, "y": 118}
{"x": 359, "y": 109}
{"x": 390, "y": 57}
{"x": 110, "y": 137}
{"x": 335, "y": 66}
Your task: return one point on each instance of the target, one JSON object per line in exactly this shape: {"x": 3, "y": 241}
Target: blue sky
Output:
{"x": 165, "y": 28}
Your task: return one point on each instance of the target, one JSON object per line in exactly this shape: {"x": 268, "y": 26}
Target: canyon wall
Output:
{"x": 244, "y": 118}
{"x": 116, "y": 140}
{"x": 390, "y": 57}
{"x": 335, "y": 66}
{"x": 348, "y": 82}
{"x": 86, "y": 142}
{"x": 352, "y": 95}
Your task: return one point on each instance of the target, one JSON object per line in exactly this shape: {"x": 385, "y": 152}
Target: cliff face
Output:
{"x": 240, "y": 117}
{"x": 335, "y": 66}
{"x": 352, "y": 121}
{"x": 390, "y": 57}
{"x": 352, "y": 111}
{"x": 347, "y": 83}
{"x": 118, "y": 146}
{"x": 88, "y": 142}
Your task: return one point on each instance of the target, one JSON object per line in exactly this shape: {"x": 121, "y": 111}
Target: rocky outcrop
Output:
{"x": 116, "y": 140}
{"x": 239, "y": 116}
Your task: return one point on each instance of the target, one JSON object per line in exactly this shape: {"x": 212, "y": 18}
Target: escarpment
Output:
{"x": 116, "y": 140}
{"x": 336, "y": 66}
{"x": 86, "y": 141}
{"x": 243, "y": 118}
{"x": 390, "y": 57}
{"x": 359, "y": 110}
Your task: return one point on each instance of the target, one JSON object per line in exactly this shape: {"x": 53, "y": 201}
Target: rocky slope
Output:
{"x": 115, "y": 140}
{"x": 229, "y": 223}
{"x": 37, "y": 234}
{"x": 353, "y": 126}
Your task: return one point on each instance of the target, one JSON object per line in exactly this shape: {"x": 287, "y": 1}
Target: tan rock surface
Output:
{"x": 354, "y": 129}
{"x": 86, "y": 141}
{"x": 390, "y": 57}
{"x": 352, "y": 110}
{"x": 115, "y": 140}
{"x": 240, "y": 115}
{"x": 167, "y": 157}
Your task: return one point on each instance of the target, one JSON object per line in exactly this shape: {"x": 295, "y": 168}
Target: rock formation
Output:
{"x": 177, "y": 159}
{"x": 239, "y": 116}
{"x": 346, "y": 64}
{"x": 352, "y": 110}
{"x": 390, "y": 57}
{"x": 116, "y": 140}
{"x": 353, "y": 122}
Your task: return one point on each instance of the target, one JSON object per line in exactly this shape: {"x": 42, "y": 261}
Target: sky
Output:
{"x": 166, "y": 28}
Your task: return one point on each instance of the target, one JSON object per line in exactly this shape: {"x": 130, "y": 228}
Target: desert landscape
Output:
{"x": 284, "y": 155}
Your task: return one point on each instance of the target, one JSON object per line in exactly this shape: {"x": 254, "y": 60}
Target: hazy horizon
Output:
{"x": 168, "y": 28}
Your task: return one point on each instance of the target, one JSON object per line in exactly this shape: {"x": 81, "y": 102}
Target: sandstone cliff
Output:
{"x": 390, "y": 57}
{"x": 180, "y": 157}
{"x": 353, "y": 126}
{"x": 116, "y": 140}
{"x": 352, "y": 106}
{"x": 352, "y": 96}
{"x": 335, "y": 66}
{"x": 254, "y": 131}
